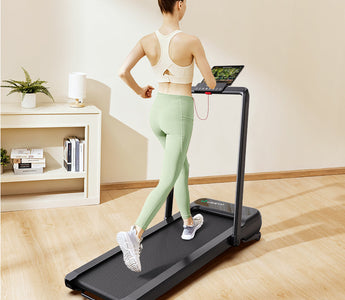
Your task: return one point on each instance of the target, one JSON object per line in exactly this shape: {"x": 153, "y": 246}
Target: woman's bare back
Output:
{"x": 179, "y": 52}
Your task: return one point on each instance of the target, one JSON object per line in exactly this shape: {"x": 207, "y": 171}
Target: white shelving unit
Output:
{"x": 45, "y": 127}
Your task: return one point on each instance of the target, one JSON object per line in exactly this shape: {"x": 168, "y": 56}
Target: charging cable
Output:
{"x": 208, "y": 106}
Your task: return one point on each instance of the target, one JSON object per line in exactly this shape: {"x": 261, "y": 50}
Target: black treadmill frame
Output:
{"x": 229, "y": 238}
{"x": 241, "y": 162}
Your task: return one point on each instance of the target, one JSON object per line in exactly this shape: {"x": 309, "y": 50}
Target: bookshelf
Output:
{"x": 45, "y": 127}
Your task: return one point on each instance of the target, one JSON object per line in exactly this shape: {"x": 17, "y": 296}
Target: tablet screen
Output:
{"x": 226, "y": 73}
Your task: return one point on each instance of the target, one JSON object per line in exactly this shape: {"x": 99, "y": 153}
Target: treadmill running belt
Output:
{"x": 160, "y": 251}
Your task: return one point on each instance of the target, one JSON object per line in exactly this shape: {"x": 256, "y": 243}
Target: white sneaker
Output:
{"x": 131, "y": 248}
{"x": 189, "y": 230}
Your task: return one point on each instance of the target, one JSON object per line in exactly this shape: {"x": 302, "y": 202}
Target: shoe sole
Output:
{"x": 196, "y": 228}
{"x": 121, "y": 239}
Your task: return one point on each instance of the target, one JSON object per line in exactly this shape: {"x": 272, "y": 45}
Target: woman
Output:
{"x": 171, "y": 53}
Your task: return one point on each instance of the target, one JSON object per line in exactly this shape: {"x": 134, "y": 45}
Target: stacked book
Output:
{"x": 74, "y": 154}
{"x": 28, "y": 161}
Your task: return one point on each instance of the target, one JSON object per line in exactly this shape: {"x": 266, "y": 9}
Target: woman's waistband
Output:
{"x": 174, "y": 96}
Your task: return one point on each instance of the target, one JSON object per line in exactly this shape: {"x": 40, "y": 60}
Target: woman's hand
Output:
{"x": 146, "y": 92}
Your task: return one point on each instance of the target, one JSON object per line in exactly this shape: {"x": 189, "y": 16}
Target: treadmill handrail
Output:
{"x": 230, "y": 90}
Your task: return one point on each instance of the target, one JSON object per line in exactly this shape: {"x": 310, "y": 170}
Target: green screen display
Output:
{"x": 226, "y": 74}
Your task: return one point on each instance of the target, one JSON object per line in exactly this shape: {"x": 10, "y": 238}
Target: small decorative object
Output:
{"x": 5, "y": 159}
{"x": 28, "y": 89}
{"x": 77, "y": 88}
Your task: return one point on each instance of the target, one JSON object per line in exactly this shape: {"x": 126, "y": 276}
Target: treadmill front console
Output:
{"x": 216, "y": 205}
{"x": 225, "y": 208}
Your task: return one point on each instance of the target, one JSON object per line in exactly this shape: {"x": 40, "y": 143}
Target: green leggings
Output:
{"x": 171, "y": 119}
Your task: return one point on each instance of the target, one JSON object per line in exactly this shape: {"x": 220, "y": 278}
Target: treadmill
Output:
{"x": 166, "y": 259}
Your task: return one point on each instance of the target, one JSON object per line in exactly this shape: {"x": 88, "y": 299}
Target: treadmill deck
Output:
{"x": 160, "y": 251}
{"x": 163, "y": 248}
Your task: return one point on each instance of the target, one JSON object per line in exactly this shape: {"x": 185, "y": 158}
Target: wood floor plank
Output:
{"x": 300, "y": 255}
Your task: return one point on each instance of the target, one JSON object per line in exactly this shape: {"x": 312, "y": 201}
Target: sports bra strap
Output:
{"x": 170, "y": 35}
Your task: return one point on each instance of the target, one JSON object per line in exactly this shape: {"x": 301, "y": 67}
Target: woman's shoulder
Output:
{"x": 188, "y": 36}
{"x": 147, "y": 39}
{"x": 191, "y": 41}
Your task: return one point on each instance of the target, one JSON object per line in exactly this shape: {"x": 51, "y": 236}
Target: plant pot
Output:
{"x": 2, "y": 169}
{"x": 29, "y": 100}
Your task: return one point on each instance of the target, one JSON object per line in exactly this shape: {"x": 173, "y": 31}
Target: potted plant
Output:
{"x": 28, "y": 89}
{"x": 5, "y": 159}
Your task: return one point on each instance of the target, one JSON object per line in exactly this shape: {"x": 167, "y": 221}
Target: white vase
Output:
{"x": 2, "y": 169}
{"x": 29, "y": 100}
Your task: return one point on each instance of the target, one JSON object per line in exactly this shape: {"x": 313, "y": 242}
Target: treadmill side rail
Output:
{"x": 241, "y": 158}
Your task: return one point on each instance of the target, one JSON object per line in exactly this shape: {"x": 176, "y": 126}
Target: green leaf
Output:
{"x": 22, "y": 83}
{"x": 35, "y": 87}
{"x": 39, "y": 82}
{"x": 10, "y": 82}
{"x": 27, "y": 76}
{"x": 8, "y": 86}
{"x": 16, "y": 90}
{"x": 45, "y": 91}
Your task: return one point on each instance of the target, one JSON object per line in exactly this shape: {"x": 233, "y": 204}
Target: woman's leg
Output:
{"x": 172, "y": 163}
{"x": 181, "y": 192}
{"x": 171, "y": 119}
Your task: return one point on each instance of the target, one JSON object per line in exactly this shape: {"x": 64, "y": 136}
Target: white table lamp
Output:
{"x": 77, "y": 88}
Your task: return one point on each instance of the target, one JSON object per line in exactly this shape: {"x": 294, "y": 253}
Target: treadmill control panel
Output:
{"x": 224, "y": 75}
{"x": 202, "y": 88}
{"x": 216, "y": 204}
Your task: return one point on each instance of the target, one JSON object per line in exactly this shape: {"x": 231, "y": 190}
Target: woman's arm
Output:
{"x": 202, "y": 63}
{"x": 125, "y": 71}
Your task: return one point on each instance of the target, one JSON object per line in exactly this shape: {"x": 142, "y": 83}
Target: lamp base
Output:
{"x": 77, "y": 104}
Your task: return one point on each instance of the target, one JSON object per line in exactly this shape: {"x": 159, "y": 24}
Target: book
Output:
{"x": 77, "y": 151}
{"x": 72, "y": 140}
{"x": 67, "y": 154}
{"x": 74, "y": 154}
{"x": 36, "y": 153}
{"x": 28, "y": 171}
{"x": 28, "y": 165}
{"x": 20, "y": 152}
{"x": 27, "y": 153}
{"x": 67, "y": 166}
{"x": 29, "y": 160}
{"x": 82, "y": 155}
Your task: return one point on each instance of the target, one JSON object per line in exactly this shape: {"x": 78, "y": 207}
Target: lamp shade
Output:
{"x": 77, "y": 85}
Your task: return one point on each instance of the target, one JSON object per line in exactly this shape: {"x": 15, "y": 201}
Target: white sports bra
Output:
{"x": 166, "y": 70}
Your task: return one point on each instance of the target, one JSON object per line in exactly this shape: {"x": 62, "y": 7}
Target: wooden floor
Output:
{"x": 300, "y": 255}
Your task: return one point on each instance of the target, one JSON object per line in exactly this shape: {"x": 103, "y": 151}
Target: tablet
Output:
{"x": 226, "y": 74}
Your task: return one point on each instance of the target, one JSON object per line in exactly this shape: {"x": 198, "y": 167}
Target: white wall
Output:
{"x": 294, "y": 57}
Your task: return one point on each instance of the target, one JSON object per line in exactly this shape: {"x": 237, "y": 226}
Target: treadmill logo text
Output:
{"x": 211, "y": 202}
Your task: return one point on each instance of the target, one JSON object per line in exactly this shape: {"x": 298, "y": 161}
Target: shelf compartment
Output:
{"x": 45, "y": 200}
{"x": 48, "y": 174}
